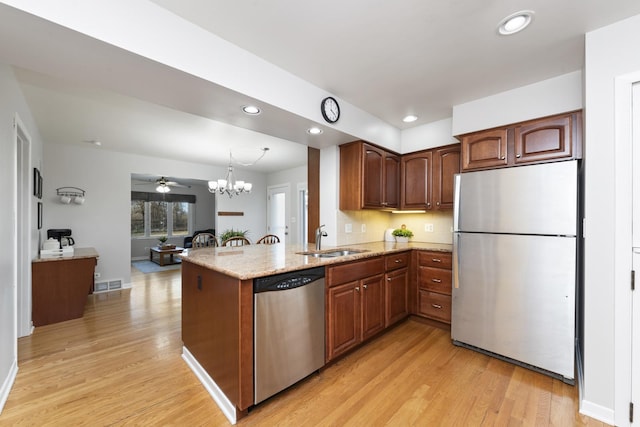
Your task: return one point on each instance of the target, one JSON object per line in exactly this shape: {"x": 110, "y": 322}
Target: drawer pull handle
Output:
{"x": 388, "y": 279}
{"x": 436, "y": 260}
{"x": 436, "y": 280}
{"x": 398, "y": 261}
{"x": 438, "y": 306}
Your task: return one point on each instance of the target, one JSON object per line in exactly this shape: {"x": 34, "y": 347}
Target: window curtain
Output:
{"x": 160, "y": 197}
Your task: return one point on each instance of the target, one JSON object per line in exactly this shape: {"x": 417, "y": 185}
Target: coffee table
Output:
{"x": 161, "y": 252}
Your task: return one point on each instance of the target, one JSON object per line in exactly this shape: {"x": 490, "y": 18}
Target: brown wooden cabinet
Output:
{"x": 542, "y": 140}
{"x": 427, "y": 178}
{"x": 60, "y": 286}
{"x": 446, "y": 163}
{"x": 369, "y": 177}
{"x": 355, "y": 304}
{"x": 396, "y": 287}
{"x": 434, "y": 285}
{"x": 416, "y": 172}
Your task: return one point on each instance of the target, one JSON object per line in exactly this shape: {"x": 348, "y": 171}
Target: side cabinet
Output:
{"x": 434, "y": 279}
{"x": 396, "y": 287}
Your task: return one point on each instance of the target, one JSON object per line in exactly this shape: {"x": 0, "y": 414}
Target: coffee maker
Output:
{"x": 62, "y": 235}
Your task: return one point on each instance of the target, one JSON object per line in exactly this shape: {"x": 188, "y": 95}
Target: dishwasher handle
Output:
{"x": 285, "y": 281}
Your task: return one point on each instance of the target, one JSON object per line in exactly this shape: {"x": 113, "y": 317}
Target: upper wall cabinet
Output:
{"x": 373, "y": 178}
{"x": 369, "y": 177}
{"x": 542, "y": 140}
{"x": 427, "y": 178}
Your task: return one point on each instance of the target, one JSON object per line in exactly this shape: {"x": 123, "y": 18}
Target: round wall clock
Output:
{"x": 330, "y": 109}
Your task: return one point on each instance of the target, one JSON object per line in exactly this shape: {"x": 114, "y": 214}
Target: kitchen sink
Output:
{"x": 332, "y": 253}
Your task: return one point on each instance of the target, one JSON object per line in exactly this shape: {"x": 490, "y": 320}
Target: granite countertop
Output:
{"x": 249, "y": 262}
{"x": 78, "y": 253}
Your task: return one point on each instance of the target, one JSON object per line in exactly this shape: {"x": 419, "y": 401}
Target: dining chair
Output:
{"x": 236, "y": 241}
{"x": 268, "y": 239}
{"x": 203, "y": 240}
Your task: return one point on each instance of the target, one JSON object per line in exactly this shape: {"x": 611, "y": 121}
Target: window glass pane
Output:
{"x": 158, "y": 218}
{"x": 137, "y": 218}
{"x": 180, "y": 219}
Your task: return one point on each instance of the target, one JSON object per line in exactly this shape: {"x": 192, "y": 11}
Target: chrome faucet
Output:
{"x": 319, "y": 234}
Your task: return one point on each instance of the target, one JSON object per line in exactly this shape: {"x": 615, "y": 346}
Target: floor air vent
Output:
{"x": 101, "y": 287}
{"x": 115, "y": 284}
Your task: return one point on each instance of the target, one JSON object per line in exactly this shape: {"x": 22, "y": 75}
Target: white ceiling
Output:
{"x": 387, "y": 58}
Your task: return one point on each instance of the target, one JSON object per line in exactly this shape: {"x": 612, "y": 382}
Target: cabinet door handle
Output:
{"x": 364, "y": 286}
{"x": 199, "y": 283}
{"x": 438, "y": 203}
{"x": 357, "y": 289}
{"x": 438, "y": 306}
{"x": 436, "y": 280}
{"x": 436, "y": 260}
{"x": 388, "y": 279}
{"x": 502, "y": 158}
{"x": 518, "y": 156}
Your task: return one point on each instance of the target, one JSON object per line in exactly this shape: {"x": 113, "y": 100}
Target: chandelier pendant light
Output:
{"x": 229, "y": 185}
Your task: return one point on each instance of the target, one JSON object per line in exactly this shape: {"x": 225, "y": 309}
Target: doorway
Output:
{"x": 23, "y": 238}
{"x": 278, "y": 211}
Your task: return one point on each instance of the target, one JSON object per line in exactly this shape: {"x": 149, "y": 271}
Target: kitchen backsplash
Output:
{"x": 376, "y": 222}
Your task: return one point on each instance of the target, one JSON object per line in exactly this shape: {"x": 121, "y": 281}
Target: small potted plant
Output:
{"x": 162, "y": 240}
{"x": 402, "y": 234}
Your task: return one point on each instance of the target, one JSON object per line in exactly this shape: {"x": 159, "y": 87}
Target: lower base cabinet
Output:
{"x": 364, "y": 298}
{"x": 434, "y": 279}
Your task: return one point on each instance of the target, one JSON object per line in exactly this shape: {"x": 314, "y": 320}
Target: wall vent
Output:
{"x": 101, "y": 287}
{"x": 115, "y": 284}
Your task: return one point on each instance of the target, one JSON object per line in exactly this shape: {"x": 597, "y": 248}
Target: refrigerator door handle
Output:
{"x": 456, "y": 202}
{"x": 456, "y": 260}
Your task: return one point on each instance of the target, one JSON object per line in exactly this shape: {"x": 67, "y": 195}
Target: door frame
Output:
{"x": 623, "y": 217}
{"x": 24, "y": 183}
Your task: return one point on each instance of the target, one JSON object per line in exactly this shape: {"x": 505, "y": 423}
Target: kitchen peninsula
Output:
{"x": 217, "y": 304}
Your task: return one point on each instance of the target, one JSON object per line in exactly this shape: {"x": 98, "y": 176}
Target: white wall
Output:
{"x": 611, "y": 52}
{"x": 431, "y": 135}
{"x": 103, "y": 221}
{"x": 12, "y": 102}
{"x": 552, "y": 96}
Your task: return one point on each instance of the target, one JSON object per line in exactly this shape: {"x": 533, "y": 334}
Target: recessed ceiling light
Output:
{"x": 314, "y": 131}
{"x": 515, "y": 22}
{"x": 251, "y": 109}
{"x": 410, "y": 118}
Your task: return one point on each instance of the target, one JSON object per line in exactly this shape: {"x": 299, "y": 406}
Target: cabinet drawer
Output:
{"x": 356, "y": 270}
{"x": 434, "y": 259}
{"x": 435, "y": 306}
{"x": 434, "y": 279}
{"x": 395, "y": 261}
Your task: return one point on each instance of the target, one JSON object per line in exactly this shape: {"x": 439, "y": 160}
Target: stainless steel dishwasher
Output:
{"x": 288, "y": 329}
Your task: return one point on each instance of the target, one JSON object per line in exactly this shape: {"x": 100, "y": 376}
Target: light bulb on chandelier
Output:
{"x": 229, "y": 185}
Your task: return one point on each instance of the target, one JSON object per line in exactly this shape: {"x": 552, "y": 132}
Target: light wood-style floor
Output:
{"x": 121, "y": 365}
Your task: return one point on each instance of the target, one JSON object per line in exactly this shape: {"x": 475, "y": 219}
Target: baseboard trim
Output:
{"x": 7, "y": 384}
{"x": 225, "y": 405}
{"x": 598, "y": 412}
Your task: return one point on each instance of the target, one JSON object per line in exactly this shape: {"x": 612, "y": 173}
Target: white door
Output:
{"x": 278, "y": 211}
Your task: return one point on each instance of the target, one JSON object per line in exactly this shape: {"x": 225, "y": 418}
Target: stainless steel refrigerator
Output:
{"x": 515, "y": 257}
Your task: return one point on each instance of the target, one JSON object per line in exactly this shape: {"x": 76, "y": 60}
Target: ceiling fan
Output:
{"x": 164, "y": 184}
